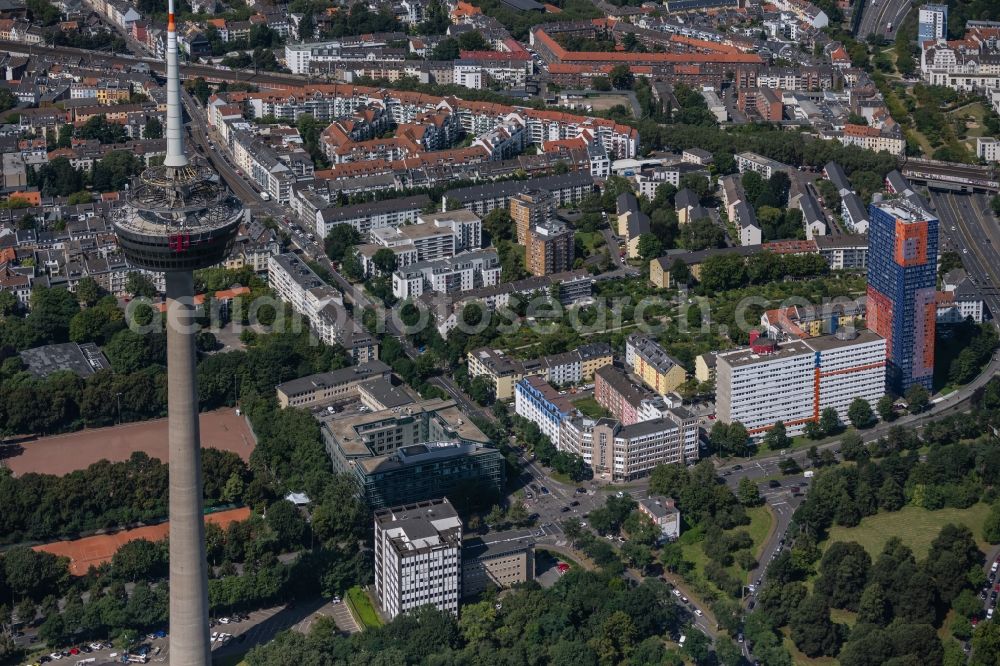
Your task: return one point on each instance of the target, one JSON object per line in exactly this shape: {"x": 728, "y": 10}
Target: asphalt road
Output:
{"x": 967, "y": 221}
{"x": 879, "y": 13}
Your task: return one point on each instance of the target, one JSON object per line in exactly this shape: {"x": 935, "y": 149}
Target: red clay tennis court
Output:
{"x": 61, "y": 454}
{"x": 97, "y": 549}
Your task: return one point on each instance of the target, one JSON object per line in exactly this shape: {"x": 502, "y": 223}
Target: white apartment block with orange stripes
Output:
{"x": 795, "y": 381}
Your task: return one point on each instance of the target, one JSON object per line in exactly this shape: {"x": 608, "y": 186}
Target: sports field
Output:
{"x": 94, "y": 550}
{"x": 61, "y": 454}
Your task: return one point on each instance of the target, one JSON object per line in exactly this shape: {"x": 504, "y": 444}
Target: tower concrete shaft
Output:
{"x": 189, "y": 636}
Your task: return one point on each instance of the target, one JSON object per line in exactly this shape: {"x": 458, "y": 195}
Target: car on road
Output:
{"x": 574, "y": 503}
{"x": 564, "y": 509}
{"x": 677, "y": 592}
{"x": 581, "y": 491}
{"x": 544, "y": 490}
{"x": 698, "y": 612}
{"x": 737, "y": 468}
{"x": 774, "y": 483}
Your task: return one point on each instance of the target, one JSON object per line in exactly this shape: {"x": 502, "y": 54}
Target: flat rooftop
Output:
{"x": 496, "y": 544}
{"x": 839, "y": 340}
{"x": 415, "y": 527}
{"x": 418, "y": 454}
{"x": 321, "y": 380}
{"x": 740, "y": 357}
{"x": 82, "y": 360}
{"x": 382, "y": 390}
{"x": 344, "y": 429}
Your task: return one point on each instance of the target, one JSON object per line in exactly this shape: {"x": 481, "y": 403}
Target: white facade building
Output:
{"x": 536, "y": 401}
{"x": 418, "y": 557}
{"x": 463, "y": 272}
{"x": 795, "y": 381}
{"x": 988, "y": 149}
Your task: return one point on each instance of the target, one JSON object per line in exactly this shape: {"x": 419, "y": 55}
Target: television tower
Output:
{"x": 178, "y": 217}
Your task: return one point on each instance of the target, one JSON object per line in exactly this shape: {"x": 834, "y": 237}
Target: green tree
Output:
{"x": 813, "y": 632}
{"x": 679, "y": 272}
{"x": 621, "y": 77}
{"x": 138, "y": 284}
{"x": 885, "y": 408}
{"x": 776, "y": 439}
{"x": 447, "y": 49}
{"x": 99, "y": 128}
{"x": 385, "y": 261}
{"x": 114, "y": 171}
{"x": 87, "y": 290}
{"x": 986, "y": 644}
{"x": 649, "y": 247}
{"x": 991, "y": 526}
{"x": 153, "y": 129}
{"x": 287, "y": 522}
{"x": 748, "y": 492}
{"x": 917, "y": 398}
{"x": 873, "y": 606}
{"x": 843, "y": 574}
{"x": 339, "y": 240}
{"x": 860, "y": 413}
{"x": 829, "y": 421}
{"x": 139, "y": 559}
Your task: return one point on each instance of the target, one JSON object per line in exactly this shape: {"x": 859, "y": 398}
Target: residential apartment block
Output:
{"x": 411, "y": 452}
{"x": 536, "y": 401}
{"x": 651, "y": 363}
{"x": 322, "y": 306}
{"x": 795, "y": 381}
{"x": 565, "y": 189}
{"x": 573, "y": 367}
{"x": 550, "y": 248}
{"x": 463, "y": 272}
{"x": 368, "y": 216}
{"x": 902, "y": 266}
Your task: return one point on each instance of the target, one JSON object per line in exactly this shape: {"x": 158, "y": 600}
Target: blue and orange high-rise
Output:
{"x": 902, "y": 262}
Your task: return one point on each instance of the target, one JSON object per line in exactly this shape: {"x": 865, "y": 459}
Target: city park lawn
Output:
{"x": 915, "y": 526}
{"x": 759, "y": 527}
{"x": 361, "y": 604}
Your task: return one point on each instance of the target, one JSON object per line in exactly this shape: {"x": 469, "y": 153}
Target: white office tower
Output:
{"x": 418, "y": 557}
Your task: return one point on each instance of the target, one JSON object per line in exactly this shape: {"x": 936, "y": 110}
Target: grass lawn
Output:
{"x": 559, "y": 557}
{"x": 970, "y": 112}
{"x": 916, "y": 527}
{"x": 362, "y": 606}
{"x": 593, "y": 241}
{"x": 760, "y": 525}
{"x": 841, "y": 616}
{"x": 590, "y": 408}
